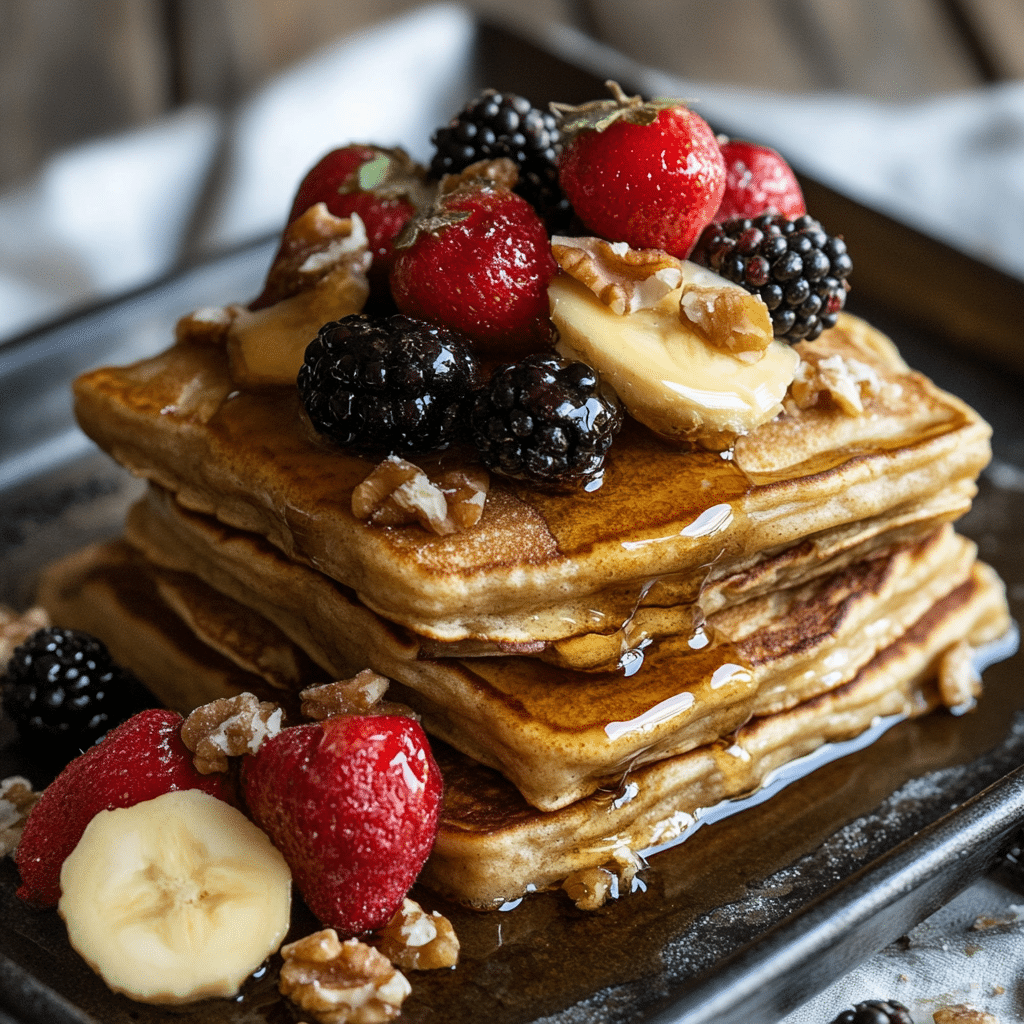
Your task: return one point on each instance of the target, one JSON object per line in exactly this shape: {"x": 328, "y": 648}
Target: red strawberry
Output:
{"x": 383, "y": 186}
{"x": 479, "y": 262}
{"x": 650, "y": 174}
{"x": 139, "y": 760}
{"x": 352, "y": 802}
{"x": 758, "y": 181}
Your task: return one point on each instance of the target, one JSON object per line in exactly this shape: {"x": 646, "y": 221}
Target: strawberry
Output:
{"x": 479, "y": 262}
{"x": 141, "y": 759}
{"x": 352, "y": 802}
{"x": 650, "y": 174}
{"x": 383, "y": 186}
{"x": 758, "y": 181}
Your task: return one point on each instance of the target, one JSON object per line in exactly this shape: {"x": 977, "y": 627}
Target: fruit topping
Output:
{"x": 547, "y": 420}
{"x": 793, "y": 265}
{"x": 352, "y": 802}
{"x": 319, "y": 276}
{"x": 384, "y": 187}
{"x": 647, "y": 173}
{"x": 417, "y": 941}
{"x": 175, "y": 899}
{"x": 229, "y": 727}
{"x": 663, "y": 366}
{"x": 363, "y": 694}
{"x": 479, "y": 261}
{"x": 389, "y": 384}
{"x": 498, "y": 124}
{"x": 339, "y": 982}
{"x": 757, "y": 181}
{"x": 875, "y": 1011}
{"x": 140, "y": 759}
{"x": 398, "y": 492}
{"x": 63, "y": 690}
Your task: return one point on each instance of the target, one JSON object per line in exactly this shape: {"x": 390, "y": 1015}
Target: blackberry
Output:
{"x": 546, "y": 420}
{"x": 387, "y": 384}
{"x": 876, "y": 1011}
{"x": 62, "y": 687}
{"x": 797, "y": 269}
{"x": 506, "y": 125}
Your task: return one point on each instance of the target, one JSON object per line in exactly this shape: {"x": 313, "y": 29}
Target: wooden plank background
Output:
{"x": 75, "y": 69}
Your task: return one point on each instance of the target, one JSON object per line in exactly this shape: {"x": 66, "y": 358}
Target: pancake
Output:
{"x": 542, "y": 567}
{"x": 559, "y": 734}
{"x": 492, "y": 845}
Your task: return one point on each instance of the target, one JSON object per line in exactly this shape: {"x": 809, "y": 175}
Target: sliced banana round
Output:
{"x": 175, "y": 899}
{"x": 667, "y": 364}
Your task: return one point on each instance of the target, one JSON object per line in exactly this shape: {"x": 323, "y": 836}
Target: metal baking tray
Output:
{"x": 750, "y": 916}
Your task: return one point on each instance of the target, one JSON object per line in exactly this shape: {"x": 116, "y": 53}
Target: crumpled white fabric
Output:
{"x": 116, "y": 213}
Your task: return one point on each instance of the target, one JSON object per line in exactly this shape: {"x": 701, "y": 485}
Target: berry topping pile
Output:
{"x": 497, "y": 125}
{"x": 545, "y": 419}
{"x": 391, "y": 383}
{"x": 793, "y": 265}
{"x": 625, "y": 196}
{"x": 63, "y": 691}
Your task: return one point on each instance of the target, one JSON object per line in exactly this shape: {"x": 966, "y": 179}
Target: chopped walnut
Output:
{"x": 501, "y": 171}
{"x": 341, "y": 982}
{"x": 207, "y": 326}
{"x": 624, "y": 279}
{"x": 17, "y": 627}
{"x": 229, "y": 727}
{"x": 962, "y": 1014}
{"x": 398, "y": 492}
{"x": 727, "y": 316}
{"x": 590, "y": 888}
{"x": 417, "y": 941}
{"x": 959, "y": 681}
{"x": 846, "y": 381}
{"x": 361, "y": 695}
{"x": 17, "y": 798}
{"x": 312, "y": 246}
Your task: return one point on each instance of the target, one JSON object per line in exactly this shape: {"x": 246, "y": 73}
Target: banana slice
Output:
{"x": 175, "y": 899}
{"x": 664, "y": 367}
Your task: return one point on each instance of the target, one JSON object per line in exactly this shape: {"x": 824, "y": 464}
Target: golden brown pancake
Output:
{"x": 541, "y": 566}
{"x": 492, "y": 845}
{"x": 560, "y": 734}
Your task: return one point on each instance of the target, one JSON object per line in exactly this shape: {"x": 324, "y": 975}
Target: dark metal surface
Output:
{"x": 837, "y": 864}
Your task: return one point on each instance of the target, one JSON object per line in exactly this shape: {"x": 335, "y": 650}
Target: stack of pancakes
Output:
{"x": 596, "y": 666}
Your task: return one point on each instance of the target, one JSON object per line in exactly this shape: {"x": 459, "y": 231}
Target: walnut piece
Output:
{"x": 17, "y": 798}
{"x": 341, "y": 982}
{"x": 959, "y": 681}
{"x": 398, "y": 492}
{"x": 589, "y": 888}
{"x": 17, "y": 627}
{"x": 229, "y": 727}
{"x": 207, "y": 326}
{"x": 500, "y": 171}
{"x": 624, "y": 279}
{"x": 417, "y": 941}
{"x": 962, "y": 1014}
{"x": 361, "y": 695}
{"x": 846, "y": 381}
{"x": 726, "y": 315}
